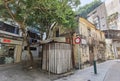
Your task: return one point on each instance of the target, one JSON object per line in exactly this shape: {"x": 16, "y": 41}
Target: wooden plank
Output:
{"x": 65, "y": 51}
{"x": 62, "y": 58}
{"x": 67, "y": 58}
{"x": 47, "y": 55}
{"x": 57, "y": 58}
{"x": 49, "y": 60}
{"x": 44, "y": 58}
{"x": 69, "y": 55}
{"x": 52, "y": 58}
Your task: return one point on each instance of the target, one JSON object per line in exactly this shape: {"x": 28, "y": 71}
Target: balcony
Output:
{"x": 112, "y": 34}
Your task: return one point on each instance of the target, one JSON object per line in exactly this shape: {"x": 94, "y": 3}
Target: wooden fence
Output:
{"x": 57, "y": 58}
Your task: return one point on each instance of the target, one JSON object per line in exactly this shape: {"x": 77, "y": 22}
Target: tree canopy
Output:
{"x": 84, "y": 10}
{"x": 40, "y": 13}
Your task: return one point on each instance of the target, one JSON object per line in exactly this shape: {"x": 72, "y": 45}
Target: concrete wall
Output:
{"x": 112, "y": 6}
{"x": 101, "y": 13}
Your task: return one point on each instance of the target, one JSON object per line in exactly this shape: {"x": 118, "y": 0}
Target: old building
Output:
{"x": 112, "y": 6}
{"x": 57, "y": 51}
{"x": 113, "y": 20}
{"x": 109, "y": 13}
{"x": 113, "y": 43}
{"x": 113, "y": 14}
{"x": 34, "y": 39}
{"x": 12, "y": 47}
{"x": 99, "y": 17}
{"x": 10, "y": 44}
{"x": 113, "y": 17}
{"x": 92, "y": 46}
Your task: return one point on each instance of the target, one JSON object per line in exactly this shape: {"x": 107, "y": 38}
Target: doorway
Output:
{"x": 7, "y": 53}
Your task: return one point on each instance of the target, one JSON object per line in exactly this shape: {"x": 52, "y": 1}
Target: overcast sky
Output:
{"x": 83, "y": 2}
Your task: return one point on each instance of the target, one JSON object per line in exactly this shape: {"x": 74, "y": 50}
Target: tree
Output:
{"x": 57, "y": 11}
{"x": 85, "y": 10}
{"x": 18, "y": 11}
{"x": 40, "y": 14}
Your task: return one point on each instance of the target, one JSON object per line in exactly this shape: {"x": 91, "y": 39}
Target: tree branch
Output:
{"x": 9, "y": 11}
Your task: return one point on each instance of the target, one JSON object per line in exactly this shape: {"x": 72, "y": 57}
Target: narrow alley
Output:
{"x": 107, "y": 71}
{"x": 114, "y": 73}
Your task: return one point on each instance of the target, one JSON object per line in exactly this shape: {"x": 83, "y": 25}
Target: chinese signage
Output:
{"x": 6, "y": 40}
{"x": 10, "y": 41}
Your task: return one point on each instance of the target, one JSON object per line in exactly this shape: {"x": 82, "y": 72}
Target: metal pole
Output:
{"x": 95, "y": 67}
{"x": 79, "y": 57}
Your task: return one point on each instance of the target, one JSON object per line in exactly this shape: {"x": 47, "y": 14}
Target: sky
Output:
{"x": 84, "y": 2}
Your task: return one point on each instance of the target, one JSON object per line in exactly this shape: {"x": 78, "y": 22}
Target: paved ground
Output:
{"x": 88, "y": 73}
{"x": 16, "y": 73}
{"x": 114, "y": 72}
{"x": 107, "y": 71}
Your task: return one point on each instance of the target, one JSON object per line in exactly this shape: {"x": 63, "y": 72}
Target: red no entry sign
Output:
{"x": 77, "y": 40}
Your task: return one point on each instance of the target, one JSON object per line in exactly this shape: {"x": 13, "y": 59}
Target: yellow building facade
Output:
{"x": 92, "y": 46}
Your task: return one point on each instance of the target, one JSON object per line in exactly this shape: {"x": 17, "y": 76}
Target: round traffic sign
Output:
{"x": 77, "y": 40}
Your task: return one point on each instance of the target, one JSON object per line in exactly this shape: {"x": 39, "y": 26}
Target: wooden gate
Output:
{"x": 57, "y": 57}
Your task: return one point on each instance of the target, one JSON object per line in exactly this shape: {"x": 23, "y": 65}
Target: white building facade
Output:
{"x": 113, "y": 14}
{"x": 98, "y": 17}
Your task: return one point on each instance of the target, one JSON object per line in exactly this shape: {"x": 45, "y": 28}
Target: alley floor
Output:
{"x": 107, "y": 71}
{"x": 114, "y": 73}
{"x": 16, "y": 73}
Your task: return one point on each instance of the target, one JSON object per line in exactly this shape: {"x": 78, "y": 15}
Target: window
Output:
{"x": 1, "y": 24}
{"x": 31, "y": 48}
{"x": 33, "y": 35}
{"x": 57, "y": 33}
{"x": 96, "y": 21}
{"x": 89, "y": 32}
{"x": 9, "y": 28}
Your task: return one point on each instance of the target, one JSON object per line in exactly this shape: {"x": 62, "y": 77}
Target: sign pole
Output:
{"x": 79, "y": 57}
{"x": 77, "y": 41}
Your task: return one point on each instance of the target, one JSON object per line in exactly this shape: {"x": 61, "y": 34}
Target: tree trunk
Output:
{"x": 26, "y": 39}
{"x": 50, "y": 30}
{"x": 29, "y": 52}
{"x": 22, "y": 27}
{"x": 47, "y": 35}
